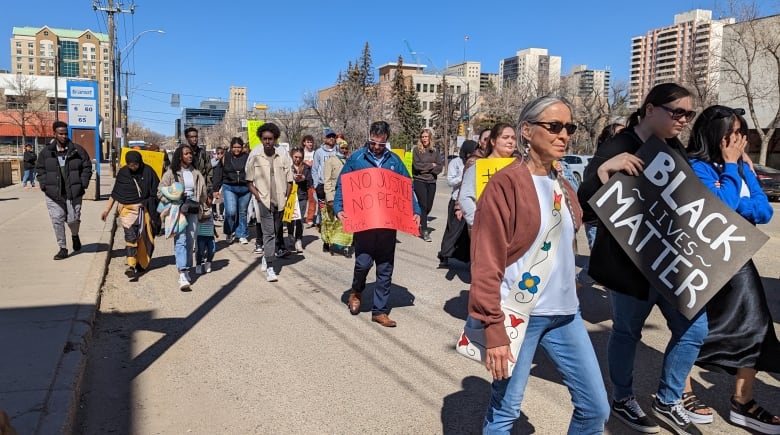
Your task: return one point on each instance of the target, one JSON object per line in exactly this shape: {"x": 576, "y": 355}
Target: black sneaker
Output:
{"x": 76, "y": 243}
{"x": 282, "y": 252}
{"x": 325, "y": 247}
{"x": 61, "y": 254}
{"x": 130, "y": 272}
{"x": 675, "y": 416}
{"x": 444, "y": 262}
{"x": 629, "y": 412}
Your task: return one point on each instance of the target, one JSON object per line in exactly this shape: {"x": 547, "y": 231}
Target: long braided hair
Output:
{"x": 532, "y": 112}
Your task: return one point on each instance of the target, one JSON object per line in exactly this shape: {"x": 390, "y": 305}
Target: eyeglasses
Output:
{"x": 555, "y": 127}
{"x": 679, "y": 112}
{"x": 375, "y": 143}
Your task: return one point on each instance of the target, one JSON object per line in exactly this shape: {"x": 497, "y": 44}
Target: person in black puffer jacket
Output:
{"x": 63, "y": 171}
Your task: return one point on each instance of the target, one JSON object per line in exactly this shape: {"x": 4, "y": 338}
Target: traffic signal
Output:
{"x": 461, "y": 129}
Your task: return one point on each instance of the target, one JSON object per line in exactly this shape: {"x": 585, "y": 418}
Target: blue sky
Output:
{"x": 282, "y": 50}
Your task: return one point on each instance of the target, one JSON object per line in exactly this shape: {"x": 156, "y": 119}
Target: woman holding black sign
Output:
{"x": 665, "y": 112}
{"x": 742, "y": 337}
{"x": 524, "y": 231}
{"x": 183, "y": 198}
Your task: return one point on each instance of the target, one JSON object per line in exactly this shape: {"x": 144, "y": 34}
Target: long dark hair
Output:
{"x": 608, "y": 133}
{"x": 176, "y": 160}
{"x": 660, "y": 94}
{"x": 495, "y": 132}
{"x": 714, "y": 123}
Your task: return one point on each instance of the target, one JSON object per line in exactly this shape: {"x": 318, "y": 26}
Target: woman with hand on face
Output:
{"x": 741, "y": 337}
{"x": 302, "y": 178}
{"x": 665, "y": 112}
{"x": 181, "y": 188}
{"x": 502, "y": 143}
{"x": 524, "y": 231}
{"x": 135, "y": 190}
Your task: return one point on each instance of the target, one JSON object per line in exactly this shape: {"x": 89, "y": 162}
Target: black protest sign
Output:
{"x": 685, "y": 240}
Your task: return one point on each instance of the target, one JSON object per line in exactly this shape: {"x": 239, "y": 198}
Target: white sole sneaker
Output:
{"x": 750, "y": 423}
{"x": 270, "y": 276}
{"x": 207, "y": 267}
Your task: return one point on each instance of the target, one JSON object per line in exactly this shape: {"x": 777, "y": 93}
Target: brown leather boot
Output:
{"x": 354, "y": 303}
{"x": 384, "y": 320}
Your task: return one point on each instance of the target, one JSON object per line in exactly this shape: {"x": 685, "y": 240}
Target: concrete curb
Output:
{"x": 64, "y": 394}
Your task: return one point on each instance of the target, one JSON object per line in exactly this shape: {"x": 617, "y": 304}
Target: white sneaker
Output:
{"x": 243, "y": 240}
{"x": 263, "y": 265}
{"x": 184, "y": 283}
{"x": 270, "y": 275}
{"x": 298, "y": 246}
{"x": 207, "y": 267}
{"x": 199, "y": 270}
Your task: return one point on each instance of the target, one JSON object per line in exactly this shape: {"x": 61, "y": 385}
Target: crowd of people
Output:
{"x": 518, "y": 237}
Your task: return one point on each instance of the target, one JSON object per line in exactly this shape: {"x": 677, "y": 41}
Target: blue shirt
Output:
{"x": 725, "y": 182}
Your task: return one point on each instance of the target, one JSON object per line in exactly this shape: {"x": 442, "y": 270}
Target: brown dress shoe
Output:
{"x": 354, "y": 303}
{"x": 383, "y": 320}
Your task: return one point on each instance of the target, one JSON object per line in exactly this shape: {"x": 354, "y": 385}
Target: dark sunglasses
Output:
{"x": 679, "y": 112}
{"x": 725, "y": 112}
{"x": 555, "y": 127}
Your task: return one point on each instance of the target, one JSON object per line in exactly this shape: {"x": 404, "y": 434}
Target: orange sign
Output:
{"x": 377, "y": 198}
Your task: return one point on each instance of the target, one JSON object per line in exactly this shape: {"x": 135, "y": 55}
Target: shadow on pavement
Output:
{"x": 458, "y": 307}
{"x": 399, "y": 297}
{"x": 462, "y": 412}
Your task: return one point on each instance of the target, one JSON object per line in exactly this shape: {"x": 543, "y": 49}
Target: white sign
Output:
{"x": 82, "y": 113}
{"x": 82, "y": 92}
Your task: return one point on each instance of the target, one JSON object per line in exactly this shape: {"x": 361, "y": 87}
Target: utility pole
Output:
{"x": 110, "y": 10}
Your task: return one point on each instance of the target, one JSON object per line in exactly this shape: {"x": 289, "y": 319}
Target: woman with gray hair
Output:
{"x": 530, "y": 209}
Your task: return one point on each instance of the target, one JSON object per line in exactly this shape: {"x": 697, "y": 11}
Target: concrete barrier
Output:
{"x": 6, "y": 174}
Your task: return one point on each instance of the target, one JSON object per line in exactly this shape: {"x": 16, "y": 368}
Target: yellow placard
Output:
{"x": 289, "y": 207}
{"x": 408, "y": 162}
{"x": 486, "y": 168}
{"x": 251, "y": 129}
{"x": 155, "y": 159}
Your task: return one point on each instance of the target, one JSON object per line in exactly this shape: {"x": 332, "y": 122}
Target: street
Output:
{"x": 240, "y": 355}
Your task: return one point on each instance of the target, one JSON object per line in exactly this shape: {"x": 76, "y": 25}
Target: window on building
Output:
{"x": 18, "y": 44}
{"x": 45, "y": 33}
{"x": 19, "y": 51}
{"x": 425, "y": 87}
{"x": 89, "y": 36}
{"x": 419, "y": 86}
{"x": 18, "y": 66}
{"x": 30, "y": 45}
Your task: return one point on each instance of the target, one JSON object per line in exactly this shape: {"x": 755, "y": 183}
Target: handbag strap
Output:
{"x": 537, "y": 268}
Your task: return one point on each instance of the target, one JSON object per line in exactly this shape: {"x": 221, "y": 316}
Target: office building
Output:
{"x": 687, "y": 52}
{"x": 584, "y": 82}
{"x": 48, "y": 51}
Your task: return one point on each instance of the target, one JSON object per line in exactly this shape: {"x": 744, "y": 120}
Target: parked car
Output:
{"x": 577, "y": 164}
{"x": 770, "y": 181}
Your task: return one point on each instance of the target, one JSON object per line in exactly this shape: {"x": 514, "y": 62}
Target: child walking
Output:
{"x": 206, "y": 244}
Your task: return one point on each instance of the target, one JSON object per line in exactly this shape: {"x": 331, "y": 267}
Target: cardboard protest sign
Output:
{"x": 685, "y": 240}
{"x": 486, "y": 168}
{"x": 155, "y": 159}
{"x": 291, "y": 205}
{"x": 251, "y": 130}
{"x": 377, "y": 198}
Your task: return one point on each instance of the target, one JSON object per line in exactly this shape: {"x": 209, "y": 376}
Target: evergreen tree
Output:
{"x": 406, "y": 108}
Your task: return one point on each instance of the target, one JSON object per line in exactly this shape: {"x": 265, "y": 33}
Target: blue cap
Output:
{"x": 330, "y": 133}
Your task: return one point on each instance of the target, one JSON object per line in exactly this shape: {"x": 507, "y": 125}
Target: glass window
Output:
{"x": 425, "y": 87}
{"x": 30, "y": 45}
{"x": 89, "y": 36}
{"x": 418, "y": 87}
{"x": 18, "y": 43}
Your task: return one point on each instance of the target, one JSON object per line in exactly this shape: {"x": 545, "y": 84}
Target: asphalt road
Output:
{"x": 239, "y": 355}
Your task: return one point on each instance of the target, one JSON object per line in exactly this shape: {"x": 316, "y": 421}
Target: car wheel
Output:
{"x": 578, "y": 177}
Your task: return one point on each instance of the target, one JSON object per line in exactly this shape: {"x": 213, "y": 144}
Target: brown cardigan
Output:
{"x": 505, "y": 226}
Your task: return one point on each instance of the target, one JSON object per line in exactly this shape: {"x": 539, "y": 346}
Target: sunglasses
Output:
{"x": 555, "y": 127}
{"x": 725, "y": 112}
{"x": 679, "y": 113}
{"x": 375, "y": 143}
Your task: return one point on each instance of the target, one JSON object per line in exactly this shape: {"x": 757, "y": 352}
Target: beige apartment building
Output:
{"x": 42, "y": 51}
{"x": 687, "y": 52}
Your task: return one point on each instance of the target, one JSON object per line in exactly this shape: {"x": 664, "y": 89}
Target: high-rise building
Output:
{"x": 76, "y": 53}
{"x": 686, "y": 52}
{"x": 531, "y": 68}
{"x": 584, "y": 82}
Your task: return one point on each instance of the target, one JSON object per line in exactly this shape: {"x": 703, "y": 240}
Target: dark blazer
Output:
{"x": 72, "y": 181}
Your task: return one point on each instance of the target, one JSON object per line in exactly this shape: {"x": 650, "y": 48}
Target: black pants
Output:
{"x": 455, "y": 241}
{"x": 425, "y": 193}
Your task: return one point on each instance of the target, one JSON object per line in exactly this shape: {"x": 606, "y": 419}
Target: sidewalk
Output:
{"x": 47, "y": 308}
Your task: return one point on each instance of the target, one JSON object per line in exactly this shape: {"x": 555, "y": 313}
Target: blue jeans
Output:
{"x": 590, "y": 232}
{"x": 377, "y": 245}
{"x": 628, "y": 318}
{"x": 566, "y": 343}
{"x": 29, "y": 174}
{"x": 236, "y": 200}
{"x": 206, "y": 248}
{"x": 183, "y": 243}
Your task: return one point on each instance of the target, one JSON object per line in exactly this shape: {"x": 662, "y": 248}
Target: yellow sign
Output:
{"x": 408, "y": 162}
{"x": 291, "y": 205}
{"x": 487, "y": 168}
{"x": 155, "y": 159}
{"x": 251, "y": 129}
